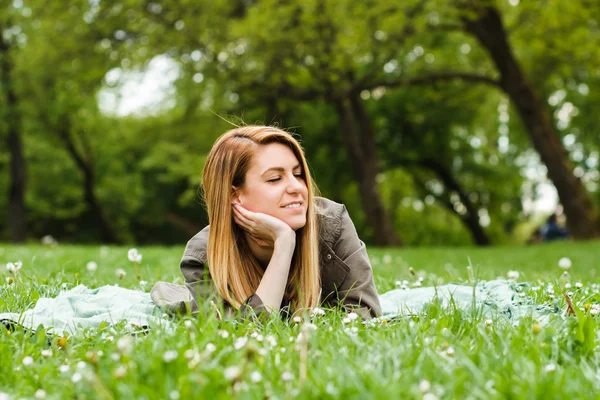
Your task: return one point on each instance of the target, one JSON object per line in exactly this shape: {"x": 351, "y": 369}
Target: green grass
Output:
{"x": 446, "y": 354}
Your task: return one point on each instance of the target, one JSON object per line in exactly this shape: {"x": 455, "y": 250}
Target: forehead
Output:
{"x": 273, "y": 155}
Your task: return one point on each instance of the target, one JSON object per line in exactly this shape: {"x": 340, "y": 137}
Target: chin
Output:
{"x": 296, "y": 224}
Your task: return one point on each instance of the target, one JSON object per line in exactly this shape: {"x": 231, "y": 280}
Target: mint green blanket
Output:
{"x": 82, "y": 307}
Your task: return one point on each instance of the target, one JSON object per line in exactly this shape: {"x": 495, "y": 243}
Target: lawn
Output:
{"x": 444, "y": 354}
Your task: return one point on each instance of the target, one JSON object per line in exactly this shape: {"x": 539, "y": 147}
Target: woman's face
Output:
{"x": 275, "y": 179}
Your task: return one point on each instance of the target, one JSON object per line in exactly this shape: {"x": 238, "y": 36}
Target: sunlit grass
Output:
{"x": 444, "y": 354}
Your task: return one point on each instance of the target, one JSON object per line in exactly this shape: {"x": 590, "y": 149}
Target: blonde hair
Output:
{"x": 234, "y": 269}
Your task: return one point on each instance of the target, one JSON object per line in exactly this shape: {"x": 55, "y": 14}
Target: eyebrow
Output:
{"x": 279, "y": 169}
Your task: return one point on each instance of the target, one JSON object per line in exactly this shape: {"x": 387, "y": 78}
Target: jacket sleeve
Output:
{"x": 357, "y": 291}
{"x": 202, "y": 288}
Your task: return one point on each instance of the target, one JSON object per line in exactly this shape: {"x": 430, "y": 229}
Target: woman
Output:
{"x": 272, "y": 244}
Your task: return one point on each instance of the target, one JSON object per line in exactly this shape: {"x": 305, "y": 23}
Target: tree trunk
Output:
{"x": 18, "y": 172}
{"x": 358, "y": 139}
{"x": 107, "y": 234}
{"x": 471, "y": 218}
{"x": 582, "y": 218}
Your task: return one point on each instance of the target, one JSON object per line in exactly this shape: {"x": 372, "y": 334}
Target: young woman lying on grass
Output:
{"x": 272, "y": 245}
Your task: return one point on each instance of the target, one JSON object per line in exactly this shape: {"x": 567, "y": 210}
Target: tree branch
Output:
{"x": 428, "y": 79}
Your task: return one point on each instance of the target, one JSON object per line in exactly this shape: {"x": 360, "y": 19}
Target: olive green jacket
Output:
{"x": 346, "y": 274}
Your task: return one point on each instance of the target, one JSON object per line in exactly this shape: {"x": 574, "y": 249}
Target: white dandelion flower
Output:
{"x": 287, "y": 376}
{"x": 565, "y": 263}
{"x": 317, "y": 311}
{"x": 63, "y": 368}
{"x": 224, "y": 334}
{"x": 134, "y": 256}
{"x": 550, "y": 367}
{"x": 232, "y": 373}
{"x": 28, "y": 361}
{"x": 91, "y": 266}
{"x": 211, "y": 348}
{"x": 424, "y": 386}
{"x": 353, "y": 316}
{"x": 255, "y": 377}
{"x": 46, "y": 353}
{"x": 297, "y": 319}
{"x": 40, "y": 394}
{"x": 121, "y": 273}
{"x": 14, "y": 267}
{"x": 513, "y": 275}
{"x": 76, "y": 377}
{"x": 240, "y": 343}
{"x": 169, "y": 356}
{"x": 346, "y": 320}
{"x": 120, "y": 372}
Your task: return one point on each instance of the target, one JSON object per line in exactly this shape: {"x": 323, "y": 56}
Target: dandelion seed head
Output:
{"x": 91, "y": 266}
{"x": 169, "y": 356}
{"x": 28, "y": 361}
{"x": 255, "y": 377}
{"x": 39, "y": 394}
{"x": 565, "y": 263}
{"x": 232, "y": 373}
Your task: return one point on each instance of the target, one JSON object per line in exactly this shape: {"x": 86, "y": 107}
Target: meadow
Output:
{"x": 442, "y": 354}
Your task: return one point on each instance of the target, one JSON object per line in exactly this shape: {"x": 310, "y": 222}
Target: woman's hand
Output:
{"x": 264, "y": 229}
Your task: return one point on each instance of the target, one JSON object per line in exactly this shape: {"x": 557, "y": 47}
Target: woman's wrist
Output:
{"x": 287, "y": 239}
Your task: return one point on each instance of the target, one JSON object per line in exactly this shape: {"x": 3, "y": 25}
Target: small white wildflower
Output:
{"x": 387, "y": 259}
{"x": 297, "y": 319}
{"x": 430, "y": 396}
{"x": 550, "y": 367}
{"x": 398, "y": 283}
{"x": 565, "y": 263}
{"x": 169, "y": 356}
{"x": 232, "y": 373}
{"x": 287, "y": 376}
{"x": 63, "y": 368}
{"x": 110, "y": 338}
{"x": 121, "y": 273}
{"x": 488, "y": 322}
{"x": 346, "y": 320}
{"x": 240, "y": 342}
{"x": 46, "y": 353}
{"x": 134, "y": 256}
{"x": 354, "y": 330}
{"x": 91, "y": 266}
{"x": 4, "y": 396}
{"x": 210, "y": 348}
{"x": 255, "y": 377}
{"x": 318, "y": 311}
{"x": 450, "y": 351}
{"x": 578, "y": 285}
{"x": 174, "y": 395}
{"x": 115, "y": 356}
{"x": 417, "y": 284}
{"x": 260, "y": 338}
{"x": 81, "y": 365}
{"x": 594, "y": 311}
{"x": 143, "y": 284}
{"x": 513, "y": 275}
{"x": 567, "y": 285}
{"x": 120, "y": 372}
{"x": 76, "y": 377}
{"x": 188, "y": 324}
{"x": 40, "y": 394}
{"x": 271, "y": 340}
{"x": 28, "y": 361}
{"x": 311, "y": 326}
{"x": 14, "y": 267}
{"x": 224, "y": 334}
{"x": 125, "y": 345}
{"x": 424, "y": 386}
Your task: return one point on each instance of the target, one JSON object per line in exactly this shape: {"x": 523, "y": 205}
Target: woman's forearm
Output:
{"x": 273, "y": 283}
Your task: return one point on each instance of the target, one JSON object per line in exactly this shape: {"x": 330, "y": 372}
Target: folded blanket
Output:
{"x": 496, "y": 298}
{"x": 81, "y": 307}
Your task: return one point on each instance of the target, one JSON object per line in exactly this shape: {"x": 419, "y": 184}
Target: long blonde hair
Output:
{"x": 234, "y": 269}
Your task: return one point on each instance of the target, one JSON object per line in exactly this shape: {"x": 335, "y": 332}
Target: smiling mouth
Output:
{"x": 293, "y": 205}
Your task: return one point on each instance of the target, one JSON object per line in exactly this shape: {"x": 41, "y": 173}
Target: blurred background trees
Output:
{"x": 434, "y": 122}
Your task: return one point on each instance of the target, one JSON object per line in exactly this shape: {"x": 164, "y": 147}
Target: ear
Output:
{"x": 236, "y": 197}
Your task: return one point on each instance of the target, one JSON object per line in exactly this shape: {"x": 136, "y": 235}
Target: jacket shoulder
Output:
{"x": 197, "y": 245}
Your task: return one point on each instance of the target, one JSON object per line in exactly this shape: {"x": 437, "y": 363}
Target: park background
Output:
{"x": 435, "y": 122}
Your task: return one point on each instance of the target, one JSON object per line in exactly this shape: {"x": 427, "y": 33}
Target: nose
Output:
{"x": 294, "y": 185}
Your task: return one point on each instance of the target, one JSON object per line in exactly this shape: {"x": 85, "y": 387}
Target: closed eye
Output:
{"x": 301, "y": 176}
